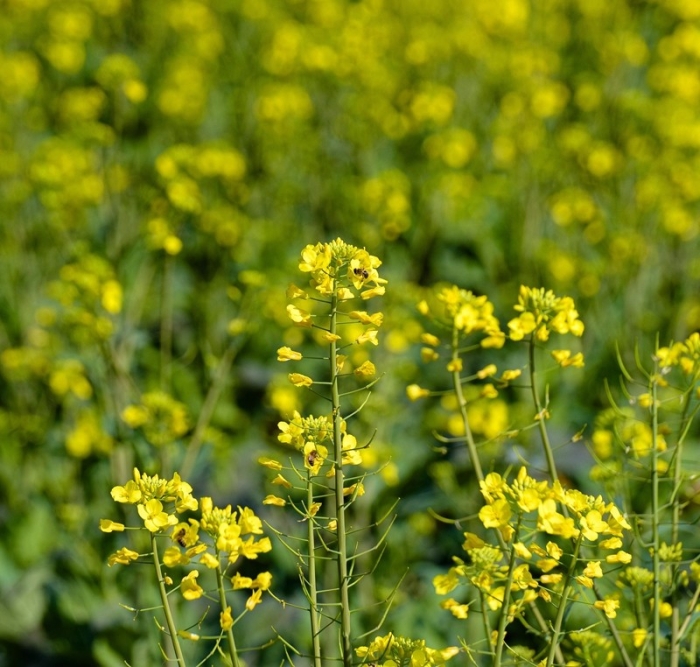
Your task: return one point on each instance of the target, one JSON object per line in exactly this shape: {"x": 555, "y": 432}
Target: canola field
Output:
{"x": 349, "y": 332}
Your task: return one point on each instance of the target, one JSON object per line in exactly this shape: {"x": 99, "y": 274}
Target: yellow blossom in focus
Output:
{"x": 225, "y": 619}
{"x": 299, "y": 380}
{"x": 123, "y": 557}
{"x": 189, "y": 587}
{"x": 287, "y": 354}
{"x": 107, "y": 526}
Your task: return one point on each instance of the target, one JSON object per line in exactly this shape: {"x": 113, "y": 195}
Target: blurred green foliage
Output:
{"x": 163, "y": 162}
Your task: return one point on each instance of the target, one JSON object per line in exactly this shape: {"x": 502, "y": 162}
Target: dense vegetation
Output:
{"x": 162, "y": 166}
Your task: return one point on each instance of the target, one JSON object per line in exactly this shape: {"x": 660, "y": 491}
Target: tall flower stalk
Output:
{"x": 339, "y": 274}
{"x": 226, "y": 536}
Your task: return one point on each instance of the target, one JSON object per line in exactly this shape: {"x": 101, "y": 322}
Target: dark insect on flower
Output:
{"x": 179, "y": 537}
{"x": 311, "y": 458}
{"x": 361, "y": 272}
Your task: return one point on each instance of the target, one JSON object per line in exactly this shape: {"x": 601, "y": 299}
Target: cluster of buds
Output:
{"x": 541, "y": 313}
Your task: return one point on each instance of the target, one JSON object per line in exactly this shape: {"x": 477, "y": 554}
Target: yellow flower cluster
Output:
{"x": 393, "y": 651}
{"x": 541, "y": 312}
{"x": 583, "y": 519}
{"x": 337, "y": 268}
{"x": 686, "y": 355}
{"x": 307, "y": 435}
{"x": 232, "y": 533}
{"x": 585, "y": 514}
{"x": 467, "y": 313}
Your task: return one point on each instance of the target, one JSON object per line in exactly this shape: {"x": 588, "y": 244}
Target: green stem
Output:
{"x": 676, "y": 629}
{"x": 655, "y": 523}
{"x": 166, "y": 326}
{"x": 232, "y": 651}
{"x": 342, "y": 558}
{"x": 556, "y": 633}
{"x": 462, "y": 402}
{"x": 313, "y": 589}
{"x": 503, "y": 619}
{"x": 169, "y": 621}
{"x": 476, "y": 463}
{"x": 549, "y": 454}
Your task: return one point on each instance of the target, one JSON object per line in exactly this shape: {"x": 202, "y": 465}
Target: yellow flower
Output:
{"x": 254, "y": 600}
{"x": 593, "y": 570}
{"x": 124, "y": 556}
{"x": 554, "y": 550}
{"x": 609, "y": 606}
{"x": 564, "y": 358}
{"x": 494, "y": 598}
{"x": 414, "y": 392}
{"x": 487, "y": 371}
{"x": 209, "y": 561}
{"x": 229, "y": 538}
{"x": 496, "y": 515}
{"x": 445, "y": 583}
{"x": 281, "y": 481}
{"x": 365, "y": 370}
{"x": 639, "y": 636}
{"x": 350, "y": 454}
{"x": 250, "y": 549}
{"x": 287, "y": 354}
{"x": 107, "y": 526}
{"x": 489, "y": 391}
{"x": 314, "y": 456}
{"x": 369, "y": 336}
{"x": 522, "y": 551}
{"x": 472, "y": 541}
{"x": 294, "y": 292}
{"x": 238, "y": 581}
{"x": 429, "y": 339}
{"x": 172, "y": 556}
{"x": 554, "y": 523}
{"x": 299, "y": 380}
{"x": 225, "y": 619}
{"x": 455, "y": 365}
{"x": 263, "y": 581}
{"x": 619, "y": 557}
{"x": 269, "y": 463}
{"x": 511, "y": 375}
{"x": 248, "y": 521}
{"x": 522, "y": 578}
{"x": 129, "y": 493}
{"x": 300, "y": 317}
{"x": 456, "y": 609}
{"x": 375, "y": 320}
{"x": 154, "y": 518}
{"x": 374, "y": 291}
{"x": 189, "y": 587}
{"x": 274, "y": 500}
{"x": 612, "y": 543}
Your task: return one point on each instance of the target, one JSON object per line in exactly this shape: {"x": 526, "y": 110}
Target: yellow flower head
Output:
{"x": 541, "y": 312}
